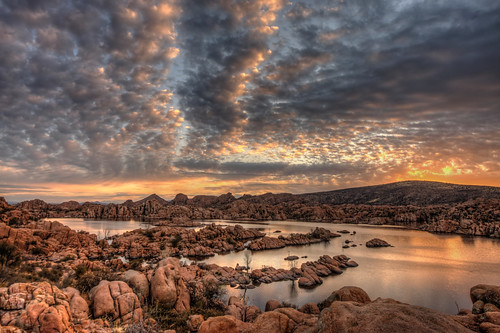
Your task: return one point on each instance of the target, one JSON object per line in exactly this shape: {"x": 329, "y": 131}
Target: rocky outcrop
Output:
{"x": 348, "y": 293}
{"x": 324, "y": 266}
{"x": 117, "y": 301}
{"x": 77, "y": 304}
{"x": 486, "y": 307}
{"x": 377, "y": 242}
{"x": 478, "y": 215}
{"x": 167, "y": 286}
{"x": 227, "y": 324}
{"x": 272, "y": 304}
{"x": 316, "y": 236}
{"x": 35, "y": 307}
{"x": 139, "y": 283}
{"x": 385, "y": 315}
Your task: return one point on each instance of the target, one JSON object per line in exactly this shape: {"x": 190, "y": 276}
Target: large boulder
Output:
{"x": 116, "y": 300}
{"x": 385, "y": 315}
{"x": 270, "y": 322}
{"x": 167, "y": 286}
{"x": 78, "y": 306}
{"x": 139, "y": 283}
{"x": 35, "y": 307}
{"x": 486, "y": 293}
{"x": 348, "y": 293}
{"x": 223, "y": 324}
{"x": 377, "y": 242}
{"x": 272, "y": 304}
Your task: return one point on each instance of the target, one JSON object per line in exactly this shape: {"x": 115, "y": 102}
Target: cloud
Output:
{"x": 324, "y": 93}
{"x": 84, "y": 88}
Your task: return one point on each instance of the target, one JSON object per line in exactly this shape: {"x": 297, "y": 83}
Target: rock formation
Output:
{"x": 167, "y": 286}
{"x": 116, "y": 300}
{"x": 384, "y": 315}
{"x": 36, "y": 307}
{"x": 377, "y": 242}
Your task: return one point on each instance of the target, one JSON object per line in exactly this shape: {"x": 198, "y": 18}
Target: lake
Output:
{"x": 101, "y": 228}
{"x": 431, "y": 270}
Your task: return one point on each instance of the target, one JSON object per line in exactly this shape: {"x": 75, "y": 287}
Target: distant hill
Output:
{"x": 417, "y": 193}
{"x": 152, "y": 197}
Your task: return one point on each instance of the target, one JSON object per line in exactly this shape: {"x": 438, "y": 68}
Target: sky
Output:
{"x": 115, "y": 100}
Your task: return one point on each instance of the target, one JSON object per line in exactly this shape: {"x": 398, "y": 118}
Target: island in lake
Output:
{"x": 265, "y": 263}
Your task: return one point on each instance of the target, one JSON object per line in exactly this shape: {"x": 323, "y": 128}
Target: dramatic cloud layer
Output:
{"x": 121, "y": 98}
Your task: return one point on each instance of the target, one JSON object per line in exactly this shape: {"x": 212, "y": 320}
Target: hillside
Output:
{"x": 416, "y": 193}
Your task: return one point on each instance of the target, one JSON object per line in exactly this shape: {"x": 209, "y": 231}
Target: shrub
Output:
{"x": 53, "y": 274}
{"x": 9, "y": 256}
{"x": 69, "y": 257}
{"x": 15, "y": 221}
{"x": 37, "y": 251}
{"x": 88, "y": 281}
{"x": 80, "y": 270}
{"x": 149, "y": 234}
{"x": 175, "y": 240}
{"x": 136, "y": 264}
{"x": 171, "y": 319}
{"x": 91, "y": 279}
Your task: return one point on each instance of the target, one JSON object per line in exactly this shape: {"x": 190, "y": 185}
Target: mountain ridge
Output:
{"x": 409, "y": 192}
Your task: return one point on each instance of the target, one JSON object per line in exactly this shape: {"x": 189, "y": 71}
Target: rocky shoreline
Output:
{"x": 54, "y": 279}
{"x": 475, "y": 217}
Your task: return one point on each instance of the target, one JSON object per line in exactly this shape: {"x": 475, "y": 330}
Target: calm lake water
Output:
{"x": 435, "y": 271}
{"x": 101, "y": 228}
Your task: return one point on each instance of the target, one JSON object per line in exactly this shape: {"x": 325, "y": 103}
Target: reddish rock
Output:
{"x": 223, "y": 324}
{"x": 194, "y": 322}
{"x": 116, "y": 300}
{"x": 78, "y": 306}
{"x": 348, "y": 293}
{"x": 167, "y": 285}
{"x": 310, "y": 308}
{"x": 272, "y": 304}
{"x": 385, "y": 315}
{"x": 36, "y": 306}
{"x": 270, "y": 322}
{"x": 138, "y": 282}
{"x": 377, "y": 242}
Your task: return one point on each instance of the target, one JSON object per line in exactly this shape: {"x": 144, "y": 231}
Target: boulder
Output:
{"x": 487, "y": 327}
{"x": 167, "y": 286}
{"x": 488, "y": 307}
{"x": 139, "y": 283}
{"x": 348, "y": 293}
{"x": 486, "y": 293}
{"x": 477, "y": 307}
{"x": 78, "y": 306}
{"x": 272, "y": 304}
{"x": 377, "y": 242}
{"x": 310, "y": 308}
{"x": 385, "y": 315}
{"x": 222, "y": 324}
{"x": 270, "y": 322}
{"x": 194, "y": 322}
{"x": 251, "y": 313}
{"x": 35, "y": 307}
{"x": 116, "y": 300}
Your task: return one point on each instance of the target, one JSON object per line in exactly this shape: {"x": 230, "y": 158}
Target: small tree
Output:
{"x": 248, "y": 260}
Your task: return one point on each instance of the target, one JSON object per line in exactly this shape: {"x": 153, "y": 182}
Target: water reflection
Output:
{"x": 424, "y": 269}
{"x": 102, "y": 228}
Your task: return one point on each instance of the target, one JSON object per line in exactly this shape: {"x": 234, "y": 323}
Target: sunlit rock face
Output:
{"x": 385, "y": 315}
{"x": 167, "y": 286}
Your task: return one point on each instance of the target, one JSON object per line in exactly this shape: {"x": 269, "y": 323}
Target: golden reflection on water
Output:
{"x": 431, "y": 270}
